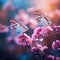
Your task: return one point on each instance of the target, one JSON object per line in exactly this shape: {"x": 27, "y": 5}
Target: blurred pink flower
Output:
{"x": 36, "y": 48}
{"x": 3, "y": 29}
{"x": 51, "y": 57}
{"x": 56, "y": 45}
{"x": 22, "y": 16}
{"x": 44, "y": 48}
{"x": 39, "y": 48}
{"x": 32, "y": 23}
{"x": 57, "y": 58}
{"x": 56, "y": 29}
{"x": 9, "y": 39}
{"x": 57, "y": 12}
{"x": 8, "y": 5}
{"x": 23, "y": 39}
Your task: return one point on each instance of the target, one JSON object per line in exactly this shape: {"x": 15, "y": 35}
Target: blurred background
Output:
{"x": 23, "y": 11}
{"x": 9, "y": 8}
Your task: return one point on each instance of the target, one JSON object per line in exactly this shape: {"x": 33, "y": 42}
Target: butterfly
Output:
{"x": 41, "y": 18}
{"x": 19, "y": 27}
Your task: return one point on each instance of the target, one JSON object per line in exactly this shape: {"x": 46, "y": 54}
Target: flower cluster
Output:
{"x": 51, "y": 57}
{"x": 41, "y": 32}
{"x": 23, "y": 39}
{"x": 39, "y": 48}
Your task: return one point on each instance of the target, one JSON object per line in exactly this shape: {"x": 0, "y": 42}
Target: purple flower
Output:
{"x": 56, "y": 45}
{"x": 36, "y": 48}
{"x": 39, "y": 48}
{"x": 57, "y": 58}
{"x": 44, "y": 48}
{"x": 9, "y": 39}
{"x": 51, "y": 57}
{"x": 56, "y": 29}
{"x": 23, "y": 39}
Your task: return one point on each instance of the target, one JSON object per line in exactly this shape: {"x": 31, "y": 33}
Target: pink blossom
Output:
{"x": 9, "y": 39}
{"x": 51, "y": 57}
{"x": 41, "y": 32}
{"x": 3, "y": 29}
{"x": 39, "y": 48}
{"x": 36, "y": 48}
{"x": 56, "y": 45}
{"x": 32, "y": 23}
{"x": 44, "y": 48}
{"x": 22, "y": 16}
{"x": 23, "y": 39}
{"x": 57, "y": 58}
{"x": 56, "y": 29}
{"x": 57, "y": 12}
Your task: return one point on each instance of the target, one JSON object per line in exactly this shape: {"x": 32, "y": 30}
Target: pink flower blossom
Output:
{"x": 3, "y": 29}
{"x": 39, "y": 48}
{"x": 23, "y": 39}
{"x": 57, "y": 58}
{"x": 36, "y": 48}
{"x": 41, "y": 32}
{"x": 56, "y": 29}
{"x": 51, "y": 57}
{"x": 22, "y": 16}
{"x": 44, "y": 48}
{"x": 56, "y": 45}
